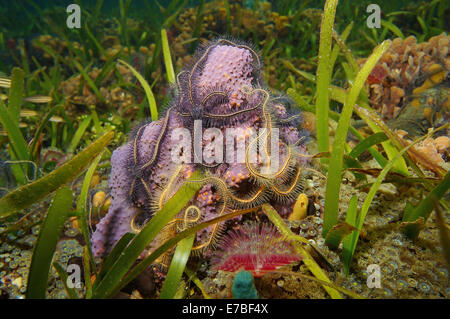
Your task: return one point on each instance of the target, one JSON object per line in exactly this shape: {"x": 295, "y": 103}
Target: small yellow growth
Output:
{"x": 106, "y": 205}
{"x": 300, "y": 208}
{"x": 98, "y": 199}
{"x": 434, "y": 68}
{"x": 101, "y": 202}
{"x": 18, "y": 282}
{"x": 144, "y": 50}
{"x": 446, "y": 104}
{"x": 437, "y": 76}
{"x": 437, "y": 73}
{"x": 415, "y": 103}
{"x": 74, "y": 222}
{"x": 425, "y": 86}
{"x": 428, "y": 113}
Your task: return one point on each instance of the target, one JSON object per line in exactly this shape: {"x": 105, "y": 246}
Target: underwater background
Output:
{"x": 359, "y": 92}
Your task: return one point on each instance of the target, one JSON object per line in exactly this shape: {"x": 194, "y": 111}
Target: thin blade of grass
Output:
{"x": 347, "y": 244}
{"x": 325, "y": 283}
{"x": 308, "y": 76}
{"x": 82, "y": 206}
{"x": 94, "y": 40}
{"x": 14, "y": 134}
{"x": 373, "y": 139}
{"x": 18, "y": 150}
{"x": 444, "y": 232}
{"x": 89, "y": 81}
{"x": 38, "y": 99}
{"x": 79, "y": 134}
{"x": 148, "y": 91}
{"x": 300, "y": 101}
{"x": 393, "y": 28}
{"x": 335, "y": 169}
{"x": 192, "y": 276}
{"x": 96, "y": 120}
{"x": 336, "y": 48}
{"x": 97, "y": 9}
{"x": 337, "y": 233}
{"x": 349, "y": 74}
{"x": 392, "y": 146}
{"x": 45, "y": 246}
{"x": 167, "y": 57}
{"x": 177, "y": 266}
{"x": 5, "y": 82}
{"x": 281, "y": 225}
{"x": 87, "y": 257}
{"x": 112, "y": 257}
{"x": 16, "y": 93}
{"x": 227, "y": 16}
{"x": 323, "y": 75}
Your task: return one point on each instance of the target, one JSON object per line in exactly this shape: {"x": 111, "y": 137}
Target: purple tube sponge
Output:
{"x": 223, "y": 90}
{"x": 117, "y": 222}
